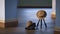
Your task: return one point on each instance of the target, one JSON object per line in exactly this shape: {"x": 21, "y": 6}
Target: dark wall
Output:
{"x": 58, "y": 13}
{"x": 10, "y": 9}
{"x": 35, "y": 3}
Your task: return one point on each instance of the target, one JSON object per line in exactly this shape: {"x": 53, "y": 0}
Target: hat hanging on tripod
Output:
{"x": 41, "y": 14}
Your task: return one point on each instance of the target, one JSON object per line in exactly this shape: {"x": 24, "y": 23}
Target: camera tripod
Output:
{"x": 40, "y": 20}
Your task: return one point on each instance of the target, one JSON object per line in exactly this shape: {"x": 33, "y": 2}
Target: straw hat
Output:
{"x": 41, "y": 14}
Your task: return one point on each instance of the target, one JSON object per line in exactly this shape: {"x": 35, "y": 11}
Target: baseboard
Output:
{"x": 57, "y": 29}
{"x": 56, "y": 32}
{"x": 13, "y": 23}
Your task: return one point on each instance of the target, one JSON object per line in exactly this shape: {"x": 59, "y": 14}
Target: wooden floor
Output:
{"x": 27, "y": 14}
{"x": 21, "y": 30}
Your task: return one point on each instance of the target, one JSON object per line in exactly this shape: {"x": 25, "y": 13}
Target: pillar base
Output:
{"x": 2, "y": 25}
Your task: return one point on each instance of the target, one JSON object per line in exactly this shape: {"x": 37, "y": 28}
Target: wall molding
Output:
{"x": 11, "y": 22}
{"x": 57, "y": 28}
{"x": 10, "y": 19}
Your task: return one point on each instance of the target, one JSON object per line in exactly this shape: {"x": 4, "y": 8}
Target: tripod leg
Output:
{"x": 45, "y": 23}
{"x": 38, "y": 23}
{"x": 41, "y": 24}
